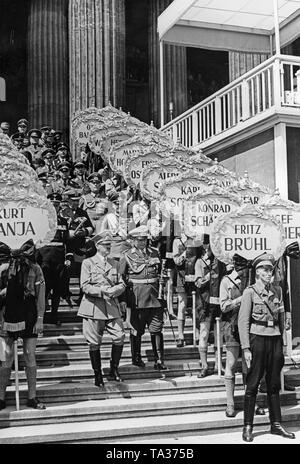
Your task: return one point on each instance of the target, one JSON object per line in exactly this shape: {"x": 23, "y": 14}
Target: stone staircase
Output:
{"x": 147, "y": 405}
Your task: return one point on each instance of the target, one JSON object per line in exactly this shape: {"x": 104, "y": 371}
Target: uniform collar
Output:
{"x": 260, "y": 287}
{"x": 99, "y": 261}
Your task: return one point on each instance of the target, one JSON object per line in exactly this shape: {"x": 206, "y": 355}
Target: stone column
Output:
{"x": 96, "y": 53}
{"x": 175, "y": 66}
{"x": 240, "y": 63}
{"x": 48, "y": 99}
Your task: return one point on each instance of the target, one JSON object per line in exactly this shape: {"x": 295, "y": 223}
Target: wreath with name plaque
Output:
{"x": 119, "y": 153}
{"x": 203, "y": 209}
{"x": 287, "y": 212}
{"x": 25, "y": 211}
{"x": 134, "y": 166}
{"x": 249, "y": 231}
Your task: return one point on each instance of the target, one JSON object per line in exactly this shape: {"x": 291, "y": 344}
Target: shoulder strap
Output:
{"x": 234, "y": 283}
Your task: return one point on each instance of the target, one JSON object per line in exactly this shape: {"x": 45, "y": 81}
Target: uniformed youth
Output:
{"x": 261, "y": 327}
{"x": 100, "y": 309}
{"x": 140, "y": 268}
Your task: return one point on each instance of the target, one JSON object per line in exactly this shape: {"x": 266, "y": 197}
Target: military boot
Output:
{"x": 157, "y": 341}
{"x": 275, "y": 417}
{"x": 96, "y": 365}
{"x": 116, "y": 353}
{"x": 249, "y": 406}
{"x": 135, "y": 342}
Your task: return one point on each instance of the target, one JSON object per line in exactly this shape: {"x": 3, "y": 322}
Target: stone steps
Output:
{"x": 124, "y": 430}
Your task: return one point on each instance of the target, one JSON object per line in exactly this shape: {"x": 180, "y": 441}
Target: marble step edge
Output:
{"x": 108, "y": 408}
{"x": 132, "y": 428}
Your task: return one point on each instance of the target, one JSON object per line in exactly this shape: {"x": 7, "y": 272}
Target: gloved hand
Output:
{"x": 81, "y": 233}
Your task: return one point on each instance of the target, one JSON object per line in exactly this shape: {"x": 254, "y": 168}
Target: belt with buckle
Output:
{"x": 144, "y": 281}
{"x": 269, "y": 323}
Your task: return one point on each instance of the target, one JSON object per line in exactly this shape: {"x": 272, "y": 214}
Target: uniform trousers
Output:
{"x": 267, "y": 356}
{"x": 151, "y": 317}
{"x": 93, "y": 330}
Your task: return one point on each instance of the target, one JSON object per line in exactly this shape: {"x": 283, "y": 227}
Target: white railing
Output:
{"x": 275, "y": 83}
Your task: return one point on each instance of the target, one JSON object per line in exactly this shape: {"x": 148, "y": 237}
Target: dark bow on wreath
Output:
{"x": 19, "y": 262}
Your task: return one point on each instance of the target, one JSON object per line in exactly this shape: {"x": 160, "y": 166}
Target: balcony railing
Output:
{"x": 273, "y": 84}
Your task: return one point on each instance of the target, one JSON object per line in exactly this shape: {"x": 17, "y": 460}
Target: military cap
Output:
{"x": 48, "y": 150}
{"x": 103, "y": 238}
{"x": 263, "y": 260}
{"x": 55, "y": 196}
{"x": 139, "y": 232}
{"x": 23, "y": 121}
{"x": 43, "y": 175}
{"x": 62, "y": 146}
{"x": 45, "y": 128}
{"x": 35, "y": 133}
{"x": 104, "y": 170}
{"x": 72, "y": 194}
{"x": 57, "y": 133}
{"x": 17, "y": 136}
{"x": 79, "y": 164}
{"x": 5, "y": 125}
{"x": 64, "y": 164}
{"x": 94, "y": 175}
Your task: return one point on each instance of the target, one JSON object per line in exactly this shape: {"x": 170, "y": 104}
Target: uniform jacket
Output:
{"x": 35, "y": 286}
{"x": 96, "y": 276}
{"x": 210, "y": 284}
{"x": 138, "y": 265}
{"x": 231, "y": 290}
{"x": 254, "y": 309}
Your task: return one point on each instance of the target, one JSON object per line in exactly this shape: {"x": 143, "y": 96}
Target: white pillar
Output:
{"x": 280, "y": 159}
{"x": 161, "y": 77}
{"x": 276, "y": 27}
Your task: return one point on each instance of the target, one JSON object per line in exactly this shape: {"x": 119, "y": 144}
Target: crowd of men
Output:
{"x": 111, "y": 237}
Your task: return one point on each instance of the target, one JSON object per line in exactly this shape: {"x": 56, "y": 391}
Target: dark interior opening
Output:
{"x": 207, "y": 72}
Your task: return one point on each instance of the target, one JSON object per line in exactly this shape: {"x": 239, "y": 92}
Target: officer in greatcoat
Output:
{"x": 100, "y": 309}
{"x": 140, "y": 268}
{"x": 261, "y": 328}
{"x": 53, "y": 260}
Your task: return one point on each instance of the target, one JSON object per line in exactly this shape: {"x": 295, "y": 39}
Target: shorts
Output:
{"x": 30, "y": 321}
{"x": 208, "y": 311}
{"x": 231, "y": 334}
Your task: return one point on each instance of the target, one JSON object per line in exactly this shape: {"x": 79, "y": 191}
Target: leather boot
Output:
{"x": 135, "y": 342}
{"x": 249, "y": 406}
{"x": 96, "y": 365}
{"x": 275, "y": 417}
{"x": 157, "y": 341}
{"x": 116, "y": 353}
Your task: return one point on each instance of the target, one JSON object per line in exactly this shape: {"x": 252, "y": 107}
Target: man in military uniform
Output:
{"x": 45, "y": 130}
{"x": 101, "y": 285}
{"x": 22, "y": 126}
{"x": 66, "y": 183}
{"x": 5, "y": 126}
{"x": 261, "y": 328}
{"x": 95, "y": 203}
{"x": 208, "y": 274}
{"x": 48, "y": 155}
{"x": 34, "y": 147}
{"x": 140, "y": 268}
{"x": 184, "y": 256}
{"x": 53, "y": 261}
{"x": 80, "y": 174}
{"x": 17, "y": 140}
